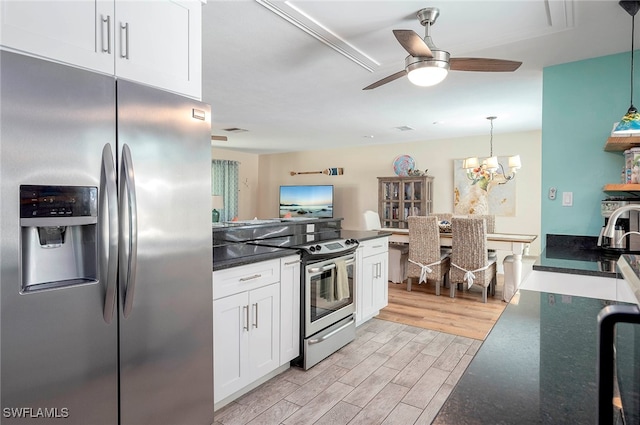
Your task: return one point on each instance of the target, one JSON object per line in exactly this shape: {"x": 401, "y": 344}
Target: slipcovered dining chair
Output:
{"x": 490, "y": 219}
{"x": 398, "y": 252}
{"x": 426, "y": 260}
{"x": 442, "y": 216}
{"x": 470, "y": 264}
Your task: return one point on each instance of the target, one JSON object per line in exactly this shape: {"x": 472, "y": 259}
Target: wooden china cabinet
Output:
{"x": 401, "y": 197}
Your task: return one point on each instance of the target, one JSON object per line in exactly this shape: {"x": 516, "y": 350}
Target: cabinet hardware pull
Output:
{"x": 124, "y": 27}
{"x": 332, "y": 333}
{"x": 292, "y": 262}
{"x": 108, "y": 22}
{"x": 246, "y": 318}
{"x": 255, "y": 324}
{"x": 377, "y": 246}
{"x": 328, "y": 267}
{"x": 255, "y": 276}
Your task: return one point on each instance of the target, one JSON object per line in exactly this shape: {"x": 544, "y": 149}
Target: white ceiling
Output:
{"x": 291, "y": 92}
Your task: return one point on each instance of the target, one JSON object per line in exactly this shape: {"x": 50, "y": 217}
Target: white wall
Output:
{"x": 357, "y": 190}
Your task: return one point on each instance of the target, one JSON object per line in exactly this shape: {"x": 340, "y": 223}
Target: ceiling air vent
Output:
{"x": 405, "y": 128}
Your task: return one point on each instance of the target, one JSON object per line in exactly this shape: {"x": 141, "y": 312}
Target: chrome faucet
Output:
{"x": 610, "y": 229}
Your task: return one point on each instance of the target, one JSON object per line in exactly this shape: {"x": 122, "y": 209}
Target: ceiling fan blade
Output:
{"x": 483, "y": 65}
{"x": 413, "y": 43}
{"x": 386, "y": 80}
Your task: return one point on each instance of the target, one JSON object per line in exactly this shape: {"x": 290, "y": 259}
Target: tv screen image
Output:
{"x": 309, "y": 201}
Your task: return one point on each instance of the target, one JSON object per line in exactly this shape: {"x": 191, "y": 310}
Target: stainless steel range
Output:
{"x": 327, "y": 276}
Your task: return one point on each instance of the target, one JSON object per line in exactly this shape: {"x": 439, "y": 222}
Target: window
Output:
{"x": 224, "y": 182}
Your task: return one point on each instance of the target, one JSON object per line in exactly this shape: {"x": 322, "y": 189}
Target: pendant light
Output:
{"x": 490, "y": 169}
{"x": 630, "y": 123}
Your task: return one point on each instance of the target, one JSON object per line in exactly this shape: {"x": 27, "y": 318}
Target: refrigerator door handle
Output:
{"x": 129, "y": 227}
{"x": 108, "y": 253}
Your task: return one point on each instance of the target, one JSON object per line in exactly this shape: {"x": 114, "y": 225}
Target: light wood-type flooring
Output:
{"x": 465, "y": 315}
{"x": 392, "y": 374}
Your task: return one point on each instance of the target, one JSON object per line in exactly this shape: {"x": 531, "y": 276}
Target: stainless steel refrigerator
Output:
{"x": 106, "y": 253}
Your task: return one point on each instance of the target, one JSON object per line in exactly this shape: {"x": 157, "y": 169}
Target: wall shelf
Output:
{"x": 622, "y": 187}
{"x": 619, "y": 144}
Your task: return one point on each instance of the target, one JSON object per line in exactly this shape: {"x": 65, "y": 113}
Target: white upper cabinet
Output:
{"x": 154, "y": 42}
{"x": 160, "y": 43}
{"x": 66, "y": 31}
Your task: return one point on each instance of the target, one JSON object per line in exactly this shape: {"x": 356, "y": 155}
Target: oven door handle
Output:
{"x": 332, "y": 333}
{"x": 319, "y": 270}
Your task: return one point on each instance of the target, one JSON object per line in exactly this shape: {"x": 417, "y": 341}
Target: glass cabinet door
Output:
{"x": 417, "y": 189}
{"x": 402, "y": 197}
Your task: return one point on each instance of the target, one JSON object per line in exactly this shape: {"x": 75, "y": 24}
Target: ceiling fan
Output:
{"x": 427, "y": 65}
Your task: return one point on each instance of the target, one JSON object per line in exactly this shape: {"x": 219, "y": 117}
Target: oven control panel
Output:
{"x": 335, "y": 246}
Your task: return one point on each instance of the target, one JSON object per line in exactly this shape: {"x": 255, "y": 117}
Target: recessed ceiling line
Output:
{"x": 315, "y": 34}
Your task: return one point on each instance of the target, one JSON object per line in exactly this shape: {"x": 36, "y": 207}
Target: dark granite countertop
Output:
{"x": 576, "y": 255}
{"x": 240, "y": 254}
{"x": 363, "y": 235}
{"x": 537, "y": 366}
{"x": 224, "y": 226}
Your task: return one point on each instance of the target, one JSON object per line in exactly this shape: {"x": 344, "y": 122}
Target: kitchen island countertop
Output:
{"x": 533, "y": 367}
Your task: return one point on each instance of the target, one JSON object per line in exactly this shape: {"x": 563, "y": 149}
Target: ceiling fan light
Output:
{"x": 427, "y": 76}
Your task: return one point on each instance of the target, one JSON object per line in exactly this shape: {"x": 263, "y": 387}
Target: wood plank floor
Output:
{"x": 465, "y": 315}
{"x": 392, "y": 374}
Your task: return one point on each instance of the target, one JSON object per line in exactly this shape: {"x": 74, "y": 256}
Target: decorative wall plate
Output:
{"x": 402, "y": 164}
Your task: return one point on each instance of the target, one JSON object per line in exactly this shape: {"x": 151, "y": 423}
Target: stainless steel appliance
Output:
{"x": 619, "y": 365}
{"x": 626, "y": 237}
{"x": 329, "y": 307}
{"x": 327, "y": 290}
{"x": 105, "y": 265}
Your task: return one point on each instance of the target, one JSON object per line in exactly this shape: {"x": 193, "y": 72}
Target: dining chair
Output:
{"x": 398, "y": 252}
{"x": 426, "y": 260}
{"x": 490, "y": 219}
{"x": 470, "y": 264}
{"x": 442, "y": 216}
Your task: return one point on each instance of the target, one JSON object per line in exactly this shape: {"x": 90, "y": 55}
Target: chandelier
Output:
{"x": 490, "y": 169}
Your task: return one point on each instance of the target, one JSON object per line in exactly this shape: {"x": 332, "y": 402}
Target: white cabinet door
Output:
{"x": 231, "y": 343}
{"x": 381, "y": 283}
{"x": 159, "y": 43}
{"x": 246, "y": 325}
{"x": 372, "y": 278}
{"x": 373, "y": 291}
{"x": 264, "y": 332}
{"x": 74, "y": 32}
{"x": 289, "y": 309}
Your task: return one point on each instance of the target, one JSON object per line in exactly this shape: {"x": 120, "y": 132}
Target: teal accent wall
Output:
{"x": 580, "y": 102}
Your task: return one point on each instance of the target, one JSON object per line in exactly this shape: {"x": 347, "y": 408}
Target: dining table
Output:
{"x": 511, "y": 242}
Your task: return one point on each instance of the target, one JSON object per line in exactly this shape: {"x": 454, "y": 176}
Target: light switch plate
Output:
{"x": 567, "y": 199}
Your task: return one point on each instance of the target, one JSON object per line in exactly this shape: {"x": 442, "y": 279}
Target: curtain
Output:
{"x": 224, "y": 182}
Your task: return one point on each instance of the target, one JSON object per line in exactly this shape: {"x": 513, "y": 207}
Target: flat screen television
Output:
{"x": 306, "y": 201}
